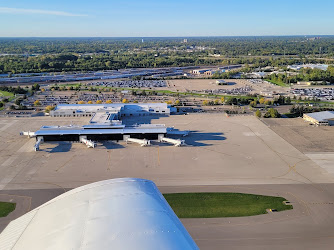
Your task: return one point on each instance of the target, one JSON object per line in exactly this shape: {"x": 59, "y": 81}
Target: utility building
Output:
{"x": 325, "y": 118}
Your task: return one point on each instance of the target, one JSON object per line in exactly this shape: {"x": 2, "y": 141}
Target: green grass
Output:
{"x": 5, "y": 93}
{"x": 215, "y": 205}
{"x": 161, "y": 91}
{"x": 6, "y": 208}
{"x": 282, "y": 84}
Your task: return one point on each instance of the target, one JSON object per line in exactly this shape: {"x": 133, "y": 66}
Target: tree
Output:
{"x": 253, "y": 104}
{"x": 89, "y": 102}
{"x": 258, "y": 114}
{"x": 108, "y": 64}
{"x": 18, "y": 101}
{"x": 267, "y": 103}
{"x": 98, "y": 102}
{"x": 177, "y": 102}
{"x": 125, "y": 100}
{"x": 216, "y": 102}
{"x": 49, "y": 108}
{"x": 205, "y": 103}
{"x": 273, "y": 113}
{"x": 37, "y": 103}
{"x": 135, "y": 101}
{"x": 81, "y": 102}
{"x": 35, "y": 87}
{"x": 169, "y": 102}
{"x": 222, "y": 99}
{"x": 262, "y": 100}
{"x": 108, "y": 101}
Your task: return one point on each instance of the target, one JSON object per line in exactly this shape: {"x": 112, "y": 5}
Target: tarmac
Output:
{"x": 225, "y": 154}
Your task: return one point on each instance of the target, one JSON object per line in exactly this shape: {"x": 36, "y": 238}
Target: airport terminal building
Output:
{"x": 106, "y": 124}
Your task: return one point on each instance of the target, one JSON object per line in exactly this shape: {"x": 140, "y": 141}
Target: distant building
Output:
{"x": 199, "y": 71}
{"x": 230, "y": 67}
{"x": 257, "y": 75}
{"x": 324, "y": 118}
{"x": 311, "y": 66}
{"x": 221, "y": 82}
{"x": 210, "y": 72}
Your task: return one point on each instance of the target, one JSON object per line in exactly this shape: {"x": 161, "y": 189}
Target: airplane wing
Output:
{"x": 112, "y": 214}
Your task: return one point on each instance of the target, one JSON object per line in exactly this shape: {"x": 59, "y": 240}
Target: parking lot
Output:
{"x": 324, "y": 94}
{"x": 130, "y": 84}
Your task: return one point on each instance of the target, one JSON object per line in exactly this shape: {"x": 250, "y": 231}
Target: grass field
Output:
{"x": 215, "y": 205}
{"x": 6, "y": 208}
{"x": 5, "y": 93}
{"x": 282, "y": 84}
{"x": 167, "y": 92}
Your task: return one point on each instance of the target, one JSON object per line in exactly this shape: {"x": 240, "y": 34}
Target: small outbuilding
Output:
{"x": 324, "y": 118}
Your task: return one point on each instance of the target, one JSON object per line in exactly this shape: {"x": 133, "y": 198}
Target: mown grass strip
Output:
{"x": 215, "y": 205}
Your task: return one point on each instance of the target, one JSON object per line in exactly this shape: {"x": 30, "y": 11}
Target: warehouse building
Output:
{"x": 324, "y": 118}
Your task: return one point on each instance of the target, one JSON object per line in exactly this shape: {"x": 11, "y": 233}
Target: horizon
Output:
{"x": 140, "y": 37}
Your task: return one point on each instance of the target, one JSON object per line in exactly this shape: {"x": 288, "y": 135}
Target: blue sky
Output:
{"x": 149, "y": 18}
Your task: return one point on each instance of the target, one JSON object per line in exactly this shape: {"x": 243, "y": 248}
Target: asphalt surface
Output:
{"x": 235, "y": 154}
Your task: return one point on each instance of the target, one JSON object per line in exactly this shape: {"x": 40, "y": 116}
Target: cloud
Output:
{"x": 36, "y": 11}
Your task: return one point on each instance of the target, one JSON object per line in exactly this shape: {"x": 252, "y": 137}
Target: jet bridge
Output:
{"x": 28, "y": 133}
{"x": 141, "y": 142}
{"x": 38, "y": 143}
{"x": 88, "y": 143}
{"x": 176, "y": 142}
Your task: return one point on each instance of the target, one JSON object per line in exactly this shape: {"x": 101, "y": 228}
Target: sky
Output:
{"x": 168, "y": 18}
